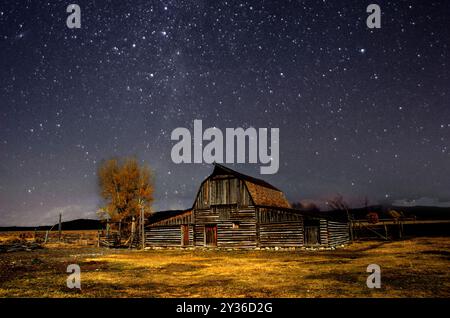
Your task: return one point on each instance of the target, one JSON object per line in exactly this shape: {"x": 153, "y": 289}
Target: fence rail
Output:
{"x": 88, "y": 237}
{"x": 359, "y": 223}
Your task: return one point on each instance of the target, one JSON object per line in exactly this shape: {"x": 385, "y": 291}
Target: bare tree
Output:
{"x": 339, "y": 204}
{"x": 305, "y": 206}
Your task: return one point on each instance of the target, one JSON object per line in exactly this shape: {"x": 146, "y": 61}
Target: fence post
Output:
{"x": 46, "y": 236}
{"x": 120, "y": 232}
{"x": 59, "y": 227}
{"x": 98, "y": 238}
{"x": 351, "y": 230}
{"x": 133, "y": 231}
{"x": 142, "y": 228}
{"x": 386, "y": 231}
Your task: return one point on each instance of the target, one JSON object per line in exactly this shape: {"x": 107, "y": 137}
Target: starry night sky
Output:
{"x": 361, "y": 112}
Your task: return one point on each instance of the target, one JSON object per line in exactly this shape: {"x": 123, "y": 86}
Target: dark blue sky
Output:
{"x": 361, "y": 112}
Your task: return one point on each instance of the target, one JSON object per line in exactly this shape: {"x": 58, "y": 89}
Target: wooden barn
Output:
{"x": 233, "y": 210}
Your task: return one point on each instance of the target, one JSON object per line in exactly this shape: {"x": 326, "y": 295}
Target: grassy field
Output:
{"x": 82, "y": 235}
{"x": 410, "y": 268}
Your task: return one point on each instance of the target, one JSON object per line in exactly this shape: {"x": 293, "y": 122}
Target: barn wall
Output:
{"x": 246, "y": 233}
{"x": 222, "y": 190}
{"x": 283, "y": 234}
{"x": 278, "y": 228}
{"x": 323, "y": 228}
{"x": 338, "y": 233}
{"x": 224, "y": 216}
{"x": 242, "y": 237}
{"x": 199, "y": 235}
{"x": 224, "y": 201}
{"x": 166, "y": 236}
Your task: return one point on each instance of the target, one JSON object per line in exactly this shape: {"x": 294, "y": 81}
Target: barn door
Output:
{"x": 184, "y": 235}
{"x": 211, "y": 235}
{"x": 312, "y": 235}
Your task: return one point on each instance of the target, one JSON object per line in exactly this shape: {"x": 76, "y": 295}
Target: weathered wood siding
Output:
{"x": 169, "y": 235}
{"x": 235, "y": 227}
{"x": 224, "y": 201}
{"x": 199, "y": 235}
{"x": 274, "y": 215}
{"x": 333, "y": 233}
{"x": 338, "y": 233}
{"x": 285, "y": 234}
{"x": 277, "y": 228}
{"x": 230, "y": 236}
{"x": 242, "y": 236}
{"x": 324, "y": 239}
{"x": 222, "y": 190}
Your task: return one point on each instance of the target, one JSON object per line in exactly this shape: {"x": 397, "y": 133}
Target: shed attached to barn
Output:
{"x": 233, "y": 210}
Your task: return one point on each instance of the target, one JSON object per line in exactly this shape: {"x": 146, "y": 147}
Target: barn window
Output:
{"x": 236, "y": 225}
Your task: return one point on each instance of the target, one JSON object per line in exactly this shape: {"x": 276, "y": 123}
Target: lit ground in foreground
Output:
{"x": 410, "y": 268}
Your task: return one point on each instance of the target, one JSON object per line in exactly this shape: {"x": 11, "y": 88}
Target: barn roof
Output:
{"x": 165, "y": 215}
{"x": 220, "y": 169}
{"x": 262, "y": 192}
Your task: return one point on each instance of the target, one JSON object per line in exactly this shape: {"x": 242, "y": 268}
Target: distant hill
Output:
{"x": 79, "y": 224}
{"x": 82, "y": 224}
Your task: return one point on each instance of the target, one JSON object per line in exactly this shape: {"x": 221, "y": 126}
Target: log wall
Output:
{"x": 278, "y": 228}
{"x": 166, "y": 236}
{"x": 338, "y": 233}
{"x": 237, "y": 235}
{"x": 235, "y": 227}
{"x": 323, "y": 228}
{"x": 282, "y": 234}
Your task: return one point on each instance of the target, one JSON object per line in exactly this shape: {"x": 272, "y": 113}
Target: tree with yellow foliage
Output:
{"x": 127, "y": 189}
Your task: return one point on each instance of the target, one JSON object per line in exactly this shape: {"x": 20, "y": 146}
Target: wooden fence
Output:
{"x": 80, "y": 237}
{"x": 388, "y": 229}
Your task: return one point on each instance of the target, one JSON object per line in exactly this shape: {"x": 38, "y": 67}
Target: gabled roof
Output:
{"x": 262, "y": 192}
{"x": 220, "y": 169}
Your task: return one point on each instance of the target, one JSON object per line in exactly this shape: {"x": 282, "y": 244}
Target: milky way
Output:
{"x": 361, "y": 112}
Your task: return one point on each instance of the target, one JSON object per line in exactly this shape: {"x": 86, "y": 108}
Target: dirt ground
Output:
{"x": 417, "y": 267}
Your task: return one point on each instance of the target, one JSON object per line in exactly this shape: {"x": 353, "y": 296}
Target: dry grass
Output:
{"x": 410, "y": 268}
{"x": 6, "y": 236}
